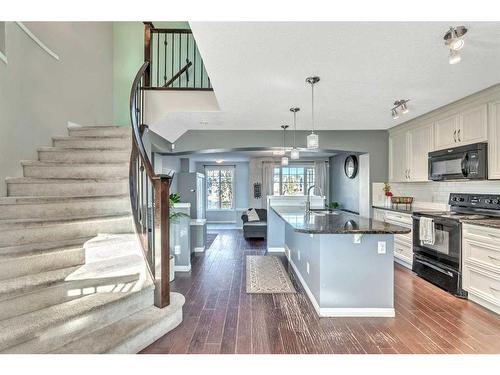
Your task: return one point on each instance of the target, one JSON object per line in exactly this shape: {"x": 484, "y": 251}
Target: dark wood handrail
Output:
{"x": 134, "y": 119}
{"x": 149, "y": 198}
{"x": 178, "y": 74}
{"x": 173, "y": 31}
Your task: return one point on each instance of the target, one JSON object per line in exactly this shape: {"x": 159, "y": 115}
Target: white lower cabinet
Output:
{"x": 403, "y": 243}
{"x": 481, "y": 265}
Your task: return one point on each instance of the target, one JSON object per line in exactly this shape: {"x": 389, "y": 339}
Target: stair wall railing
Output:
{"x": 149, "y": 197}
{"x": 174, "y": 60}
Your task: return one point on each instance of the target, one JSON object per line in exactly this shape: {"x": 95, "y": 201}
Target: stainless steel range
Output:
{"x": 440, "y": 260}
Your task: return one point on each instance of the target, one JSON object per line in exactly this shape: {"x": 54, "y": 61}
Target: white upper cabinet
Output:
{"x": 420, "y": 143}
{"x": 494, "y": 140}
{"x": 473, "y": 125}
{"x": 398, "y": 168}
{"x": 466, "y": 127}
{"x": 446, "y": 130}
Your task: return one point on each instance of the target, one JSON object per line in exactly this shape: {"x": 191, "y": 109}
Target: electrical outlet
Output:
{"x": 357, "y": 237}
{"x": 307, "y": 266}
{"x": 298, "y": 255}
{"x": 381, "y": 247}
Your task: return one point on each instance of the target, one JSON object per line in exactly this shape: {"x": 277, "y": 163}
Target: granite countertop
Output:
{"x": 489, "y": 222}
{"x": 337, "y": 222}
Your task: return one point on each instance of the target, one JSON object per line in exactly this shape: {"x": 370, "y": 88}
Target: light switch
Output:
{"x": 307, "y": 266}
{"x": 298, "y": 255}
{"x": 381, "y": 247}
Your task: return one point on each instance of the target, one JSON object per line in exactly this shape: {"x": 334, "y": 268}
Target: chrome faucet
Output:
{"x": 308, "y": 200}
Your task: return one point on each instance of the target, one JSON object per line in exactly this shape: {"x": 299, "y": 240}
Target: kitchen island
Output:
{"x": 344, "y": 262}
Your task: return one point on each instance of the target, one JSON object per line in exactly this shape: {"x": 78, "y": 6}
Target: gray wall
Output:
{"x": 343, "y": 189}
{"x": 240, "y": 191}
{"x": 374, "y": 142}
{"x": 164, "y": 164}
{"x": 39, "y": 95}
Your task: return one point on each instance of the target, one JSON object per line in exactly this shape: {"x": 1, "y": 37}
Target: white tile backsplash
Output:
{"x": 435, "y": 192}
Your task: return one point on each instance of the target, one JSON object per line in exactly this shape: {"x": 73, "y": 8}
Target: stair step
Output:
{"x": 108, "y": 143}
{"x": 131, "y": 334}
{"x": 37, "y": 169}
{"x": 26, "y": 186}
{"x": 113, "y": 262}
{"x": 17, "y": 265}
{"x": 71, "y": 155}
{"x": 101, "y": 131}
{"x": 20, "y": 232}
{"x": 62, "y": 207}
{"x": 45, "y": 330}
{"x": 48, "y": 245}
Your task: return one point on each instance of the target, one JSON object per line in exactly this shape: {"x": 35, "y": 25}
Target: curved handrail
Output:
{"x": 149, "y": 198}
{"x": 134, "y": 118}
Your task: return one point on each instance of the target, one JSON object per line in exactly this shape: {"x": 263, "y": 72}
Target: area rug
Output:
{"x": 210, "y": 239}
{"x": 266, "y": 274}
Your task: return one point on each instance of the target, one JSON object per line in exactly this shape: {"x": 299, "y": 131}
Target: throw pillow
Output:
{"x": 252, "y": 215}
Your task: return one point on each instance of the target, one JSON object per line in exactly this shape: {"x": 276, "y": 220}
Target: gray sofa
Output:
{"x": 255, "y": 229}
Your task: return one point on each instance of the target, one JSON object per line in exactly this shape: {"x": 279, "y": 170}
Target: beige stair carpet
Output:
{"x": 266, "y": 274}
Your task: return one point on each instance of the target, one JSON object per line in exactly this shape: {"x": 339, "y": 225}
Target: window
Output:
{"x": 220, "y": 186}
{"x": 292, "y": 180}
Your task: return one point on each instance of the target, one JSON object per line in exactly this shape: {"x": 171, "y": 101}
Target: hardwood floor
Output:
{"x": 219, "y": 317}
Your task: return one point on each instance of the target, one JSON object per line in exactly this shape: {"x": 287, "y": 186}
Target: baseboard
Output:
{"x": 331, "y": 312}
{"x": 199, "y": 249}
{"x": 403, "y": 263}
{"x": 182, "y": 268}
{"x": 275, "y": 249}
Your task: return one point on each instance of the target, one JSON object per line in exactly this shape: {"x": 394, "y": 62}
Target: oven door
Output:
{"x": 447, "y": 244}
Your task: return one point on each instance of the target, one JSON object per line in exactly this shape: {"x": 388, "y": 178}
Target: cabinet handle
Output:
{"x": 455, "y": 136}
{"x": 409, "y": 175}
{"x": 458, "y": 135}
{"x": 492, "y": 235}
{"x": 494, "y": 289}
{"x": 493, "y": 258}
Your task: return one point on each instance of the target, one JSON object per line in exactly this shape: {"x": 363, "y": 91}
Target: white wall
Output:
{"x": 39, "y": 94}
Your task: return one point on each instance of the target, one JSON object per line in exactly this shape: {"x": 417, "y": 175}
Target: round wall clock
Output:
{"x": 351, "y": 166}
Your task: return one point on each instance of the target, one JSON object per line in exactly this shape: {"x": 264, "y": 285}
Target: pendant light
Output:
{"x": 294, "y": 154}
{"x": 312, "y": 139}
{"x": 284, "y": 159}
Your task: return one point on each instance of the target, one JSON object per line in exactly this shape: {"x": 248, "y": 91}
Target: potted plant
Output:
{"x": 333, "y": 205}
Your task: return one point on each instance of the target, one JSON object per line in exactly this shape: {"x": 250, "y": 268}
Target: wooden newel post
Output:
{"x": 162, "y": 241}
{"x": 147, "y": 52}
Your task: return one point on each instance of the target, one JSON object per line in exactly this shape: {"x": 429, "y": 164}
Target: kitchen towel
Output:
{"x": 426, "y": 230}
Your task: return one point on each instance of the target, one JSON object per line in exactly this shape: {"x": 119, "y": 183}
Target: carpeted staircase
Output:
{"x": 72, "y": 275}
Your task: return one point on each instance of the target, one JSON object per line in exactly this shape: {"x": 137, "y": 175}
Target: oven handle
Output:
{"x": 439, "y": 269}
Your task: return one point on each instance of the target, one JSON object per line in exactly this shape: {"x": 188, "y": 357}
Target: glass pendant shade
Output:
{"x": 312, "y": 141}
{"x": 294, "y": 154}
{"x": 284, "y": 161}
{"x": 454, "y": 57}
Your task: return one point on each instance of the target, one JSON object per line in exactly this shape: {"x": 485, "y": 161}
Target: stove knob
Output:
{"x": 495, "y": 201}
{"x": 461, "y": 199}
{"x": 489, "y": 201}
{"x": 454, "y": 199}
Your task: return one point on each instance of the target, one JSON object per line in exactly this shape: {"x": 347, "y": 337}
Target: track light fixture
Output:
{"x": 454, "y": 40}
{"x": 399, "y": 104}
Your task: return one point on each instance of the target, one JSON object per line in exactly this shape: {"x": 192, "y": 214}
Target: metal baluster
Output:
{"x": 165, "y": 57}
{"x": 157, "y": 59}
{"x": 202, "y": 68}
{"x": 173, "y": 46}
{"x": 180, "y": 52}
{"x": 187, "y": 59}
{"x": 151, "y": 248}
{"x": 194, "y": 63}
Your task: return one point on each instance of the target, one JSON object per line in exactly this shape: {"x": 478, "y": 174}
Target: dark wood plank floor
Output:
{"x": 220, "y": 317}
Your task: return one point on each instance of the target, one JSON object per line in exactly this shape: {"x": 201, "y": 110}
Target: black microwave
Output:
{"x": 467, "y": 162}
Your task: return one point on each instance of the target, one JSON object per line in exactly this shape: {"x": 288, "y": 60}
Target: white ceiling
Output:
{"x": 258, "y": 71}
